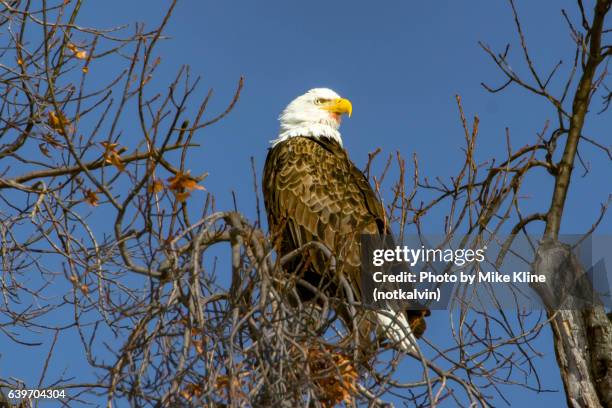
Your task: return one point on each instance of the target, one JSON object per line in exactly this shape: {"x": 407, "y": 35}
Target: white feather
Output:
{"x": 395, "y": 327}
{"x": 303, "y": 117}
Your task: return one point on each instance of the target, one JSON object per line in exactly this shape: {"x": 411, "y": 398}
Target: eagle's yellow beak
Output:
{"x": 339, "y": 106}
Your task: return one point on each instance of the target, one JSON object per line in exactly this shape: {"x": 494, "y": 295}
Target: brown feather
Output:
{"x": 312, "y": 191}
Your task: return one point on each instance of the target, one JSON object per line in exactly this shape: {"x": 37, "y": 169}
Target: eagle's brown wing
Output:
{"x": 313, "y": 192}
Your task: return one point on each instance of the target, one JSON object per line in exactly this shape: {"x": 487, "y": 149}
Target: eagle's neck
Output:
{"x": 314, "y": 130}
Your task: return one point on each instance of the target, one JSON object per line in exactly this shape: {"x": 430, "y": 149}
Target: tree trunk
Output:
{"x": 582, "y": 333}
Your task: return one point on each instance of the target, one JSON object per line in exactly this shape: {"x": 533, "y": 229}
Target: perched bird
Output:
{"x": 313, "y": 192}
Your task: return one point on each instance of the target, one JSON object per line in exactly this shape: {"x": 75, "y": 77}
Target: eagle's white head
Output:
{"x": 317, "y": 113}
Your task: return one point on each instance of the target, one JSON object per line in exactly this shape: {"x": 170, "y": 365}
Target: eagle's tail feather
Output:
{"x": 396, "y": 328}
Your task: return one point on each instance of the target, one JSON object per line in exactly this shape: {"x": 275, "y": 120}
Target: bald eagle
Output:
{"x": 313, "y": 192}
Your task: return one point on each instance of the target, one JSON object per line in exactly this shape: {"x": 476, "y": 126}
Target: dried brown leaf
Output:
{"x": 112, "y": 155}
{"x": 335, "y": 375}
{"x": 91, "y": 198}
{"x": 183, "y": 181}
{"x": 199, "y": 346}
{"x": 181, "y": 197}
{"x": 190, "y": 391}
{"x": 156, "y": 186}
{"x": 58, "y": 122}
{"x": 78, "y": 53}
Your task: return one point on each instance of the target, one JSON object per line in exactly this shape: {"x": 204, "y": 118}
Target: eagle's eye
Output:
{"x": 319, "y": 101}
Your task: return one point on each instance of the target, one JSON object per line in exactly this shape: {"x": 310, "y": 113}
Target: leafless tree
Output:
{"x": 582, "y": 338}
{"x": 160, "y": 324}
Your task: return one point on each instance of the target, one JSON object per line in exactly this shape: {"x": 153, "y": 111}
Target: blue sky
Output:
{"x": 401, "y": 63}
